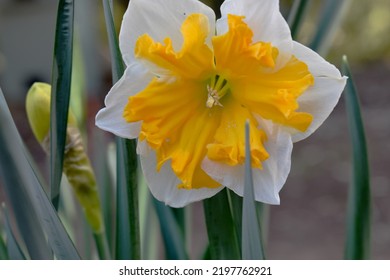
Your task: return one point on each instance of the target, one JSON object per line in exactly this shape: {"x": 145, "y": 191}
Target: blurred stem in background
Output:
{"x": 296, "y": 15}
{"x": 330, "y": 19}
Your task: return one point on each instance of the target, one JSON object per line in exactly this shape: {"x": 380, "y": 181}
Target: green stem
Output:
{"x": 220, "y": 227}
{"x": 3, "y": 249}
{"x": 296, "y": 15}
{"x": 236, "y": 206}
{"x": 128, "y": 231}
{"x": 102, "y": 246}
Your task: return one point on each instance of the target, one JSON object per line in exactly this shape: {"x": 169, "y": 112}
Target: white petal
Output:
{"x": 160, "y": 19}
{"x": 268, "y": 181}
{"x": 320, "y": 99}
{"x": 110, "y": 118}
{"x": 163, "y": 184}
{"x": 266, "y": 22}
{"x": 318, "y": 66}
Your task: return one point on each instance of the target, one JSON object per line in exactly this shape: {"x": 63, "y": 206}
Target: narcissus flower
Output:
{"x": 192, "y": 82}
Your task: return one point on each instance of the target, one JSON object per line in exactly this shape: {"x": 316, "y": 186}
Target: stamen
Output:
{"x": 217, "y": 89}
{"x": 212, "y": 98}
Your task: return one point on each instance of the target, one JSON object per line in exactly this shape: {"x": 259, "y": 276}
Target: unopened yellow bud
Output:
{"x": 38, "y": 110}
{"x": 77, "y": 167}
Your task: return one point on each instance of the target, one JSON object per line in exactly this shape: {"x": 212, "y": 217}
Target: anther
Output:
{"x": 216, "y": 89}
{"x": 212, "y": 97}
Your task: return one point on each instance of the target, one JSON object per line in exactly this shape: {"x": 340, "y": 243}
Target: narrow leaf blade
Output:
{"x": 14, "y": 177}
{"x": 149, "y": 223}
{"x": 24, "y": 187}
{"x": 296, "y": 16}
{"x": 236, "y": 207}
{"x": 171, "y": 232}
{"x": 329, "y": 20}
{"x": 13, "y": 249}
{"x": 116, "y": 57}
{"x": 252, "y": 248}
{"x": 359, "y": 200}
{"x": 60, "y": 96}
{"x": 3, "y": 249}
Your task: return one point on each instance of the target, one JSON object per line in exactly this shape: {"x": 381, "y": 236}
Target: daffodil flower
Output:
{"x": 190, "y": 84}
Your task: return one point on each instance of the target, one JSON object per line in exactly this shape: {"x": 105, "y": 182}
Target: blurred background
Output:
{"x": 310, "y": 222}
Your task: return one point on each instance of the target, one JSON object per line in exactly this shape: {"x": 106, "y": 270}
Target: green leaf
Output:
{"x": 329, "y": 22}
{"x": 78, "y": 98}
{"x": 206, "y": 254}
{"x": 180, "y": 217}
{"x": 106, "y": 173}
{"x": 171, "y": 232}
{"x": 13, "y": 250}
{"x": 296, "y": 16}
{"x": 236, "y": 207}
{"x": 14, "y": 176}
{"x": 263, "y": 214}
{"x": 3, "y": 249}
{"x": 60, "y": 95}
{"x": 252, "y": 248}
{"x": 128, "y": 244}
{"x": 359, "y": 200}
{"x": 116, "y": 57}
{"x": 37, "y": 218}
{"x": 102, "y": 246}
{"x": 149, "y": 222}
{"x": 221, "y": 230}
{"x": 3, "y": 246}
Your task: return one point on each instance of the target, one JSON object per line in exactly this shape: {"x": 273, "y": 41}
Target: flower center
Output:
{"x": 216, "y": 89}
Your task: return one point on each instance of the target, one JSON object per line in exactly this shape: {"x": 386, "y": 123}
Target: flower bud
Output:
{"x": 77, "y": 167}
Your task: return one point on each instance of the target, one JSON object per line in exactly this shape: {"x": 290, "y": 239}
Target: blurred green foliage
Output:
{"x": 363, "y": 33}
